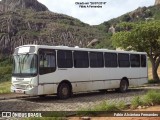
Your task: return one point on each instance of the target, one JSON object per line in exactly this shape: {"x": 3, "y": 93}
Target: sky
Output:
{"x": 94, "y": 16}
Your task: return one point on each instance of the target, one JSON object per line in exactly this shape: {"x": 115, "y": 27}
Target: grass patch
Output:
{"x": 103, "y": 107}
{"x": 153, "y": 81}
{"x": 151, "y": 98}
{"x": 5, "y": 87}
{"x": 136, "y": 102}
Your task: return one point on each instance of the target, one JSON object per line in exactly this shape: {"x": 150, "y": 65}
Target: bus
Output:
{"x": 43, "y": 70}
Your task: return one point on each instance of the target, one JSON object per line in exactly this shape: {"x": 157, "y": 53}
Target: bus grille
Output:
{"x": 20, "y": 86}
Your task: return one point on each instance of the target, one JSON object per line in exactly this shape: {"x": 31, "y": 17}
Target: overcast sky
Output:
{"x": 94, "y": 16}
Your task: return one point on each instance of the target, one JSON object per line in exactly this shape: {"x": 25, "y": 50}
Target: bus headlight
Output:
{"x": 29, "y": 86}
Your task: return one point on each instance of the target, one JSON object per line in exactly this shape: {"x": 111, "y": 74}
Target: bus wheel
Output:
{"x": 123, "y": 86}
{"x": 64, "y": 91}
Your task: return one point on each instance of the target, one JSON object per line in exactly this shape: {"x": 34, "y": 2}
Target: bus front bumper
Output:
{"x": 31, "y": 91}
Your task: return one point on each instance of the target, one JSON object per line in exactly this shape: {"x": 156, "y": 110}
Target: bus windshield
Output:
{"x": 25, "y": 65}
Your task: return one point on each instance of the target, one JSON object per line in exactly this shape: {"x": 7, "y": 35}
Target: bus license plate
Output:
{"x": 19, "y": 91}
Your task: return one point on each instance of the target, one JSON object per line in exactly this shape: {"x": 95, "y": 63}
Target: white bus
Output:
{"x": 43, "y": 70}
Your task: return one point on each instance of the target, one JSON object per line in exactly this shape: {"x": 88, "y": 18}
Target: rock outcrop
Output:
{"x": 27, "y": 26}
{"x": 12, "y": 5}
{"x": 157, "y": 2}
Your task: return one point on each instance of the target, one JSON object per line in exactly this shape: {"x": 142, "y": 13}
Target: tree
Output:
{"x": 144, "y": 37}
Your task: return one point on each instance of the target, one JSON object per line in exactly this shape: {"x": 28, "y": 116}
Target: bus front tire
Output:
{"x": 64, "y": 91}
{"x": 123, "y": 86}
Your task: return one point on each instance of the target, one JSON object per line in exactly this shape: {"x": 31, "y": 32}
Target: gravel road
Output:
{"x": 77, "y": 102}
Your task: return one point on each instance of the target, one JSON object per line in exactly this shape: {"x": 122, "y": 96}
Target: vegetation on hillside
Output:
{"x": 138, "y": 15}
{"x": 126, "y": 23}
{"x": 21, "y": 27}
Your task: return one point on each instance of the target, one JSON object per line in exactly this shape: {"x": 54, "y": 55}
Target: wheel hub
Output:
{"x": 65, "y": 91}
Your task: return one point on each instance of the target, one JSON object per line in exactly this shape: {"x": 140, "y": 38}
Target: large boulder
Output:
{"x": 157, "y": 2}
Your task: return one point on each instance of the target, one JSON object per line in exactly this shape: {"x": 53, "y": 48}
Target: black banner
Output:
{"x": 26, "y": 114}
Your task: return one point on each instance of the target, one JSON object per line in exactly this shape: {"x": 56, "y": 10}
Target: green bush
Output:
{"x": 5, "y": 69}
{"x": 5, "y": 62}
{"x": 5, "y": 87}
{"x": 5, "y": 73}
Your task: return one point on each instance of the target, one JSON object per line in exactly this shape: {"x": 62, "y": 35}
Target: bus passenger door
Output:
{"x": 47, "y": 67}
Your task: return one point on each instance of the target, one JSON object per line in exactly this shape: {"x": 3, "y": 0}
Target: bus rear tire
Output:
{"x": 64, "y": 91}
{"x": 123, "y": 86}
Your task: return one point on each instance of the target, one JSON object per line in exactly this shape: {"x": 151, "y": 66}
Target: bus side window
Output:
{"x": 47, "y": 61}
{"x": 135, "y": 60}
{"x": 123, "y": 60}
{"x": 64, "y": 59}
{"x": 96, "y": 60}
{"x": 81, "y": 59}
{"x": 110, "y": 59}
{"x": 143, "y": 60}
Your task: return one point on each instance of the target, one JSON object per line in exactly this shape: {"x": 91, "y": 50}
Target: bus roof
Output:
{"x": 80, "y": 49}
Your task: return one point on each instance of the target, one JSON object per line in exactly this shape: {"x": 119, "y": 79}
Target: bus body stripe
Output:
{"x": 94, "y": 80}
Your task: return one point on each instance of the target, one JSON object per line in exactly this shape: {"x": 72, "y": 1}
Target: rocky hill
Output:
{"x": 140, "y": 14}
{"x": 12, "y": 5}
{"x": 29, "y": 22}
{"x": 157, "y": 2}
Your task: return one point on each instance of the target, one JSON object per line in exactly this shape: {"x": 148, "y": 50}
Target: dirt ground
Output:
{"x": 155, "y": 108}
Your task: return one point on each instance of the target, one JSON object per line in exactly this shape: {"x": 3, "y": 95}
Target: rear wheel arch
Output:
{"x": 67, "y": 82}
{"x": 123, "y": 86}
{"x": 125, "y": 78}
